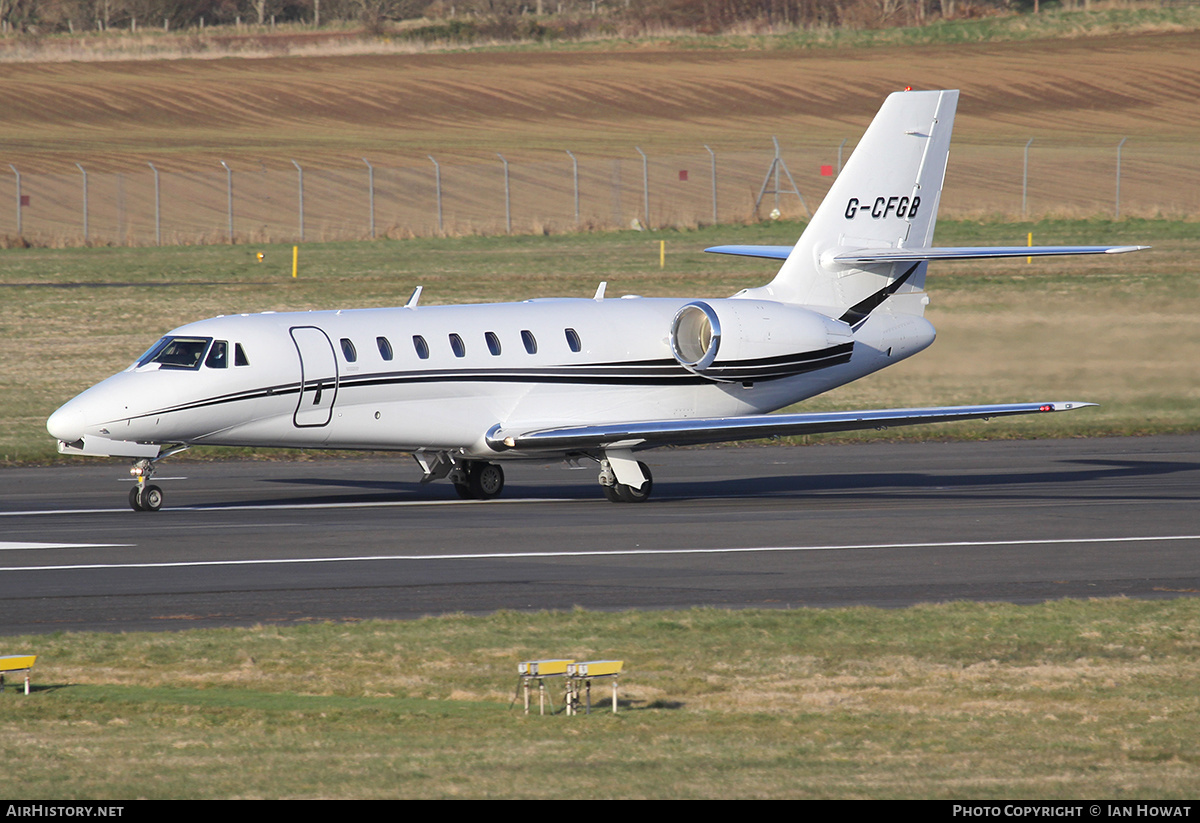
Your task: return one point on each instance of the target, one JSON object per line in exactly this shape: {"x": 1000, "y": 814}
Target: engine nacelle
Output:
{"x": 747, "y": 340}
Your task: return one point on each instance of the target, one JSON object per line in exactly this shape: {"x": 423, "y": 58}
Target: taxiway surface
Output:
{"x": 876, "y": 524}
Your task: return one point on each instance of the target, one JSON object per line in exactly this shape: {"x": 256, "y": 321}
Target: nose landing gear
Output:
{"x": 146, "y": 497}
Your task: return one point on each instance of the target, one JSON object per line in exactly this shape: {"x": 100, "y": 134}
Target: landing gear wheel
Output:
{"x": 152, "y": 498}
{"x": 621, "y": 493}
{"x": 484, "y": 481}
{"x": 145, "y": 499}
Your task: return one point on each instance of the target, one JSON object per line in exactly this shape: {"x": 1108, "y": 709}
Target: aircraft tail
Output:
{"x": 885, "y": 200}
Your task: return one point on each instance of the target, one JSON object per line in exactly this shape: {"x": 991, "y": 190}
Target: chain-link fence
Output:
{"x": 288, "y": 202}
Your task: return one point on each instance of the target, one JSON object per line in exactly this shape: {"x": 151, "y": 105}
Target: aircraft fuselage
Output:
{"x": 439, "y": 377}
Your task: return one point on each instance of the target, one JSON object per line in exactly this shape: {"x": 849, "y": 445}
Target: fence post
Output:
{"x": 371, "y": 193}
{"x": 85, "y": 203}
{"x": 645, "y": 188}
{"x": 229, "y": 197}
{"x": 301, "y": 175}
{"x": 157, "y": 208}
{"x": 1117, "y": 213}
{"x": 713, "y": 163}
{"x": 575, "y": 176}
{"x": 507, "y": 199}
{"x": 1025, "y": 181}
{"x": 437, "y": 176}
{"x": 18, "y": 174}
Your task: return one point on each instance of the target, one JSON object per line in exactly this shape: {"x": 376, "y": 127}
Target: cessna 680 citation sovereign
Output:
{"x": 464, "y": 388}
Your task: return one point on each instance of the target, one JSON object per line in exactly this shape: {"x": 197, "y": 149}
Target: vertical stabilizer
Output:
{"x": 885, "y": 198}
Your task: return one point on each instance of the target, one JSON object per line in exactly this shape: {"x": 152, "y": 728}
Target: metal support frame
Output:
{"x": 437, "y": 178}
{"x": 778, "y": 165}
{"x": 713, "y": 166}
{"x": 1117, "y": 208}
{"x": 157, "y": 207}
{"x": 85, "y": 202}
{"x": 18, "y": 174}
{"x": 1025, "y": 181}
{"x": 229, "y": 197}
{"x": 507, "y": 197}
{"x": 300, "y": 172}
{"x": 371, "y": 193}
{"x": 645, "y": 187}
{"x": 575, "y": 176}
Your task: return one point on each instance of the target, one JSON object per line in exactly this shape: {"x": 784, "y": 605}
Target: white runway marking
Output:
{"x": 8, "y": 545}
{"x": 282, "y": 561}
{"x": 273, "y": 506}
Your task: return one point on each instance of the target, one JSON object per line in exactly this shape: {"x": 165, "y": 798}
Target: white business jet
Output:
{"x": 464, "y": 388}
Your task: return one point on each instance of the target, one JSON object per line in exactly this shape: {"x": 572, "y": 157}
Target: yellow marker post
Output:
{"x": 662, "y": 254}
{"x": 1029, "y": 260}
{"x": 295, "y": 259}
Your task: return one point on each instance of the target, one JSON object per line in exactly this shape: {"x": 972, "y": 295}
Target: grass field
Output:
{"x": 1119, "y": 331}
{"x": 958, "y": 701}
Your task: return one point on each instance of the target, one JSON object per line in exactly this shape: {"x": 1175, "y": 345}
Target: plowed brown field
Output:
{"x": 335, "y": 110}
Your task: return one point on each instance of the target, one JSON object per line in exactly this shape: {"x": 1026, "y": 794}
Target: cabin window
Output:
{"x": 177, "y": 353}
{"x": 218, "y": 355}
{"x": 493, "y": 342}
{"x": 529, "y": 340}
{"x": 421, "y": 346}
{"x": 456, "y": 343}
{"x": 348, "y": 350}
{"x": 573, "y": 340}
{"x": 239, "y": 355}
{"x": 385, "y": 348}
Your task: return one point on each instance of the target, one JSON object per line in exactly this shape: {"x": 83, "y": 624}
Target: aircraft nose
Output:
{"x": 67, "y": 423}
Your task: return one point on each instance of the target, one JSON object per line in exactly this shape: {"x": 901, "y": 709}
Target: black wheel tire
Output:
{"x": 612, "y": 494}
{"x": 486, "y": 480}
{"x": 152, "y": 499}
{"x": 628, "y": 494}
{"x": 135, "y": 501}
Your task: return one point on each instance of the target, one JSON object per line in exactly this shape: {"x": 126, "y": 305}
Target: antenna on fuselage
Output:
{"x": 600, "y": 290}
{"x": 416, "y": 296}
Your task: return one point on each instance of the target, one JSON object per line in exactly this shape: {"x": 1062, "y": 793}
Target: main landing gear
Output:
{"x": 625, "y": 480}
{"x": 479, "y": 480}
{"x": 472, "y": 479}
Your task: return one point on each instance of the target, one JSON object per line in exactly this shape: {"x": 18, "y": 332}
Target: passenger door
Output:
{"x": 318, "y": 377}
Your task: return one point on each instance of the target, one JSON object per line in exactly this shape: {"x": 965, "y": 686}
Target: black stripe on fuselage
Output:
{"x": 664, "y": 372}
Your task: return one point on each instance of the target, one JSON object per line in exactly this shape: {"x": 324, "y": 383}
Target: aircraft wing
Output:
{"x": 861, "y": 256}
{"x": 691, "y": 431}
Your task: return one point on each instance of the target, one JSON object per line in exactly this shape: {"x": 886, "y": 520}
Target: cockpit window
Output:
{"x": 177, "y": 353}
{"x": 239, "y": 355}
{"x": 218, "y": 355}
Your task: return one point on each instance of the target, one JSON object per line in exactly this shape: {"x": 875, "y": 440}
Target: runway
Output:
{"x": 873, "y": 524}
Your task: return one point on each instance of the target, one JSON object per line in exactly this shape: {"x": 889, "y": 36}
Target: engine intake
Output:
{"x": 696, "y": 336}
{"x": 735, "y": 340}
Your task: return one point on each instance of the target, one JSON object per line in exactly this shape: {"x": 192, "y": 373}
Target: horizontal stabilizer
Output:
{"x": 864, "y": 256}
{"x": 650, "y": 433}
{"x": 861, "y": 256}
{"x": 770, "y": 252}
